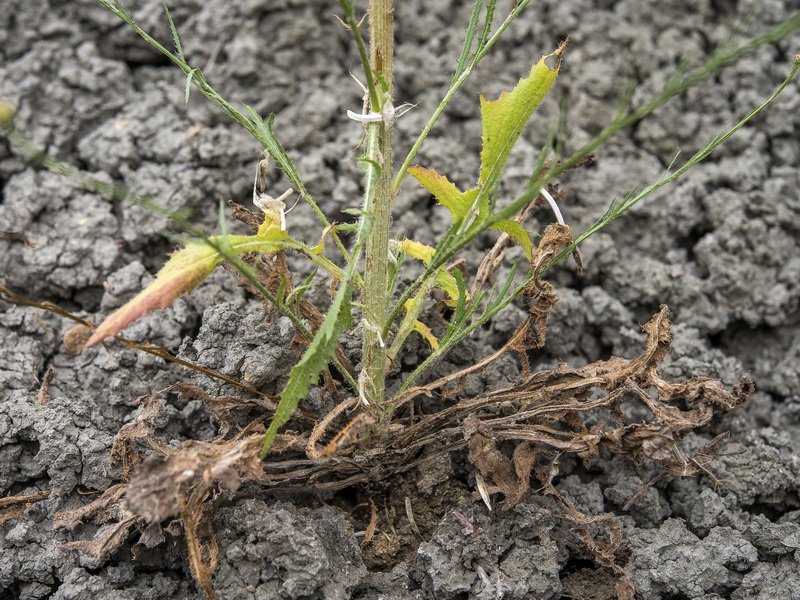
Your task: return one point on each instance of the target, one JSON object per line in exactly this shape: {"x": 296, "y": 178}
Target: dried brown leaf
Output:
{"x": 107, "y": 541}
{"x": 152, "y": 536}
{"x": 528, "y": 411}
{"x": 252, "y": 218}
{"x": 158, "y": 486}
{"x": 223, "y": 407}
{"x": 490, "y": 462}
{"x": 122, "y": 449}
{"x": 196, "y": 516}
{"x": 373, "y": 523}
{"x": 105, "y": 508}
{"x": 76, "y": 337}
{"x": 108, "y": 509}
{"x": 43, "y": 393}
{"x": 540, "y": 294}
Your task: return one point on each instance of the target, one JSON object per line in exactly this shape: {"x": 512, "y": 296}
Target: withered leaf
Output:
{"x": 105, "y": 508}
{"x": 491, "y": 463}
{"x": 158, "y": 486}
{"x": 107, "y": 540}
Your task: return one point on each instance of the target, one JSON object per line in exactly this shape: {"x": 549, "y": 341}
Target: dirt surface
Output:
{"x": 721, "y": 248}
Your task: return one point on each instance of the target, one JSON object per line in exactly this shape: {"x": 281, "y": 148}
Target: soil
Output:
{"x": 721, "y": 247}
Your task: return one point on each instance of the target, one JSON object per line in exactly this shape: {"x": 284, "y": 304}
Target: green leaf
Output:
{"x": 446, "y": 192}
{"x": 517, "y": 233}
{"x": 187, "y": 91}
{"x": 269, "y": 140}
{"x": 175, "y": 38}
{"x": 461, "y": 305}
{"x": 504, "y": 119}
{"x": 315, "y": 359}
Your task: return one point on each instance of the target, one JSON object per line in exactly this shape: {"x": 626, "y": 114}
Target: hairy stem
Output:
{"x": 379, "y": 203}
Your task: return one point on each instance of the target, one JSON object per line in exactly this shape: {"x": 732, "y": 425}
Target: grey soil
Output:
{"x": 721, "y": 248}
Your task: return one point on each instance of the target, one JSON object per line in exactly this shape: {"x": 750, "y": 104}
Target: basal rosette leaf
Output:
{"x": 504, "y": 119}
{"x": 182, "y": 273}
{"x": 315, "y": 359}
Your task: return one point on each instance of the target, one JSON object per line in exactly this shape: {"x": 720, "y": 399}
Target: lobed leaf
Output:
{"x": 418, "y": 325}
{"x": 425, "y": 253}
{"x": 315, "y": 359}
{"x": 418, "y": 250}
{"x": 517, "y": 233}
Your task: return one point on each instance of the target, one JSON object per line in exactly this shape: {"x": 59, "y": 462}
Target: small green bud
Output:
{"x": 7, "y": 112}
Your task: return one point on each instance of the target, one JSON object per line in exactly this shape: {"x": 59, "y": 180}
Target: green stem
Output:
{"x": 350, "y": 17}
{"x": 254, "y": 125}
{"x": 676, "y": 86}
{"x": 18, "y": 140}
{"x": 379, "y": 204}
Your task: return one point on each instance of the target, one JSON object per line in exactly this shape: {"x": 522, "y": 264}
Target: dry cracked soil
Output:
{"x": 720, "y": 247}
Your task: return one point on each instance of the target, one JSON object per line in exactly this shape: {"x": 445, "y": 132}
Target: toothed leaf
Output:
{"x": 448, "y": 195}
{"x": 315, "y": 359}
{"x": 425, "y": 253}
{"x": 418, "y": 250}
{"x": 419, "y": 326}
{"x": 504, "y": 119}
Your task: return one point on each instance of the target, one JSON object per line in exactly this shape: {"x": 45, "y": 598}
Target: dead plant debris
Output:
{"x": 13, "y": 507}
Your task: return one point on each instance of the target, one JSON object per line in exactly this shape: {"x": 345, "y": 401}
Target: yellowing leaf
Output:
{"x": 448, "y": 195}
{"x": 419, "y": 326}
{"x": 517, "y": 233}
{"x": 504, "y": 119}
{"x": 425, "y": 253}
{"x": 426, "y": 332}
{"x": 418, "y": 251}
{"x": 273, "y": 221}
{"x": 320, "y": 248}
{"x": 448, "y": 283}
{"x": 182, "y": 273}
